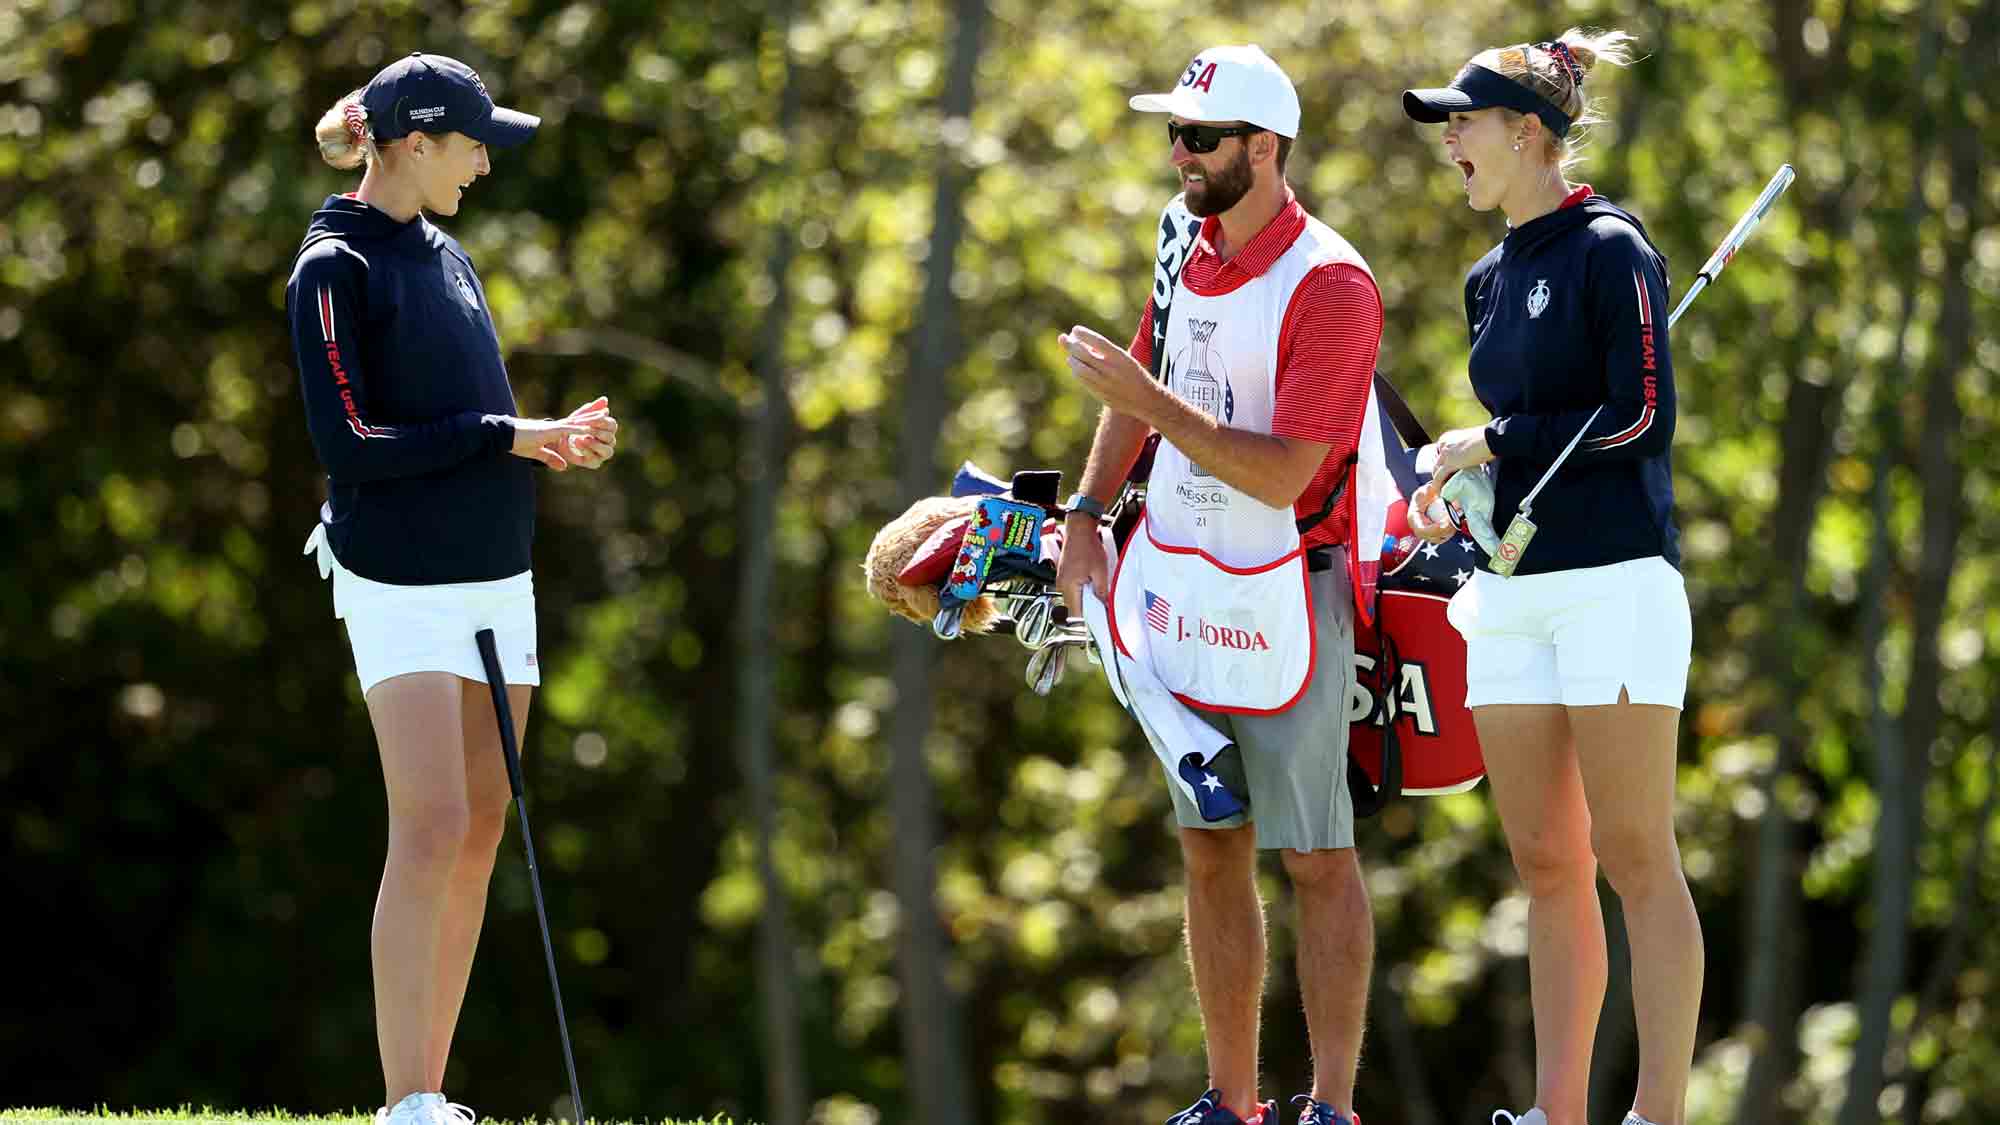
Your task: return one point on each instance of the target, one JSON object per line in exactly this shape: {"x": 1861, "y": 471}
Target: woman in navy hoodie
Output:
{"x": 428, "y": 524}
{"x": 1576, "y": 665}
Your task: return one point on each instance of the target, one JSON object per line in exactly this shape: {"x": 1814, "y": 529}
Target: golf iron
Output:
{"x": 497, "y": 681}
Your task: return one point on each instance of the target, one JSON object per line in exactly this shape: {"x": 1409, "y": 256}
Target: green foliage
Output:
{"x": 191, "y": 820}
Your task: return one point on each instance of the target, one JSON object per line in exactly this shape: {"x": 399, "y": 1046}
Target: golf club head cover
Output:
{"x": 1000, "y": 529}
{"x": 932, "y": 561}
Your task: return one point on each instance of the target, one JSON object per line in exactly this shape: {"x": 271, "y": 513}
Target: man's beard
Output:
{"x": 1223, "y": 189}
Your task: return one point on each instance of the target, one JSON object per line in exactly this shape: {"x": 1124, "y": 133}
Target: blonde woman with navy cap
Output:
{"x": 1576, "y": 664}
{"x": 428, "y": 524}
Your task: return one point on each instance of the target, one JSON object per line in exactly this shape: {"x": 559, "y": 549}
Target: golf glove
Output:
{"x": 1470, "y": 491}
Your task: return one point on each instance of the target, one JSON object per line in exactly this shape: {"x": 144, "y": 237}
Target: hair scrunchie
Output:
{"x": 1562, "y": 54}
{"x": 357, "y": 120}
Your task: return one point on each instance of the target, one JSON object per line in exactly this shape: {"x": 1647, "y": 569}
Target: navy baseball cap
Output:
{"x": 434, "y": 94}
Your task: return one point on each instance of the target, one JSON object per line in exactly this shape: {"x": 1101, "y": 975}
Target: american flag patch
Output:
{"x": 1157, "y": 612}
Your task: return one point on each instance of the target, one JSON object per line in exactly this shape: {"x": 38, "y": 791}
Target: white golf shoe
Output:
{"x": 426, "y": 1109}
{"x": 1532, "y": 1117}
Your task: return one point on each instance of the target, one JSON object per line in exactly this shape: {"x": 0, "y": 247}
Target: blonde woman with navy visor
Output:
{"x": 428, "y": 526}
{"x": 1576, "y": 665}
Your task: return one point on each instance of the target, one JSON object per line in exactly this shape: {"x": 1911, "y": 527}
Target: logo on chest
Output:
{"x": 1538, "y": 298}
{"x": 1201, "y": 377}
{"x": 465, "y": 289}
{"x": 1198, "y": 376}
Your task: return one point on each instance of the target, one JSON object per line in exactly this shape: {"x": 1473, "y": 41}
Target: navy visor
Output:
{"x": 1479, "y": 88}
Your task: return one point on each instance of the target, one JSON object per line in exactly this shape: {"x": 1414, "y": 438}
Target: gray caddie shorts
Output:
{"x": 1292, "y": 766}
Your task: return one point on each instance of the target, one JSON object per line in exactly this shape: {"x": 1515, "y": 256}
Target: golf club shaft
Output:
{"x": 1734, "y": 240}
{"x": 503, "y": 712}
{"x": 1724, "y": 253}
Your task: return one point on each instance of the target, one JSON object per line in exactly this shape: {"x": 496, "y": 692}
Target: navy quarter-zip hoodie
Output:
{"x": 407, "y": 402}
{"x": 1567, "y": 314}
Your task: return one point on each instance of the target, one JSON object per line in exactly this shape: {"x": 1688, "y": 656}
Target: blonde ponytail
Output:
{"x": 343, "y": 134}
{"x": 1558, "y": 80}
{"x": 1592, "y": 47}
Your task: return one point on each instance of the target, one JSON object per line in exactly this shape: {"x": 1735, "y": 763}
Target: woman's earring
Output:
{"x": 1517, "y": 148}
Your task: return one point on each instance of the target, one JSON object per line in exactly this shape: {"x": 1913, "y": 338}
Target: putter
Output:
{"x": 490, "y": 656}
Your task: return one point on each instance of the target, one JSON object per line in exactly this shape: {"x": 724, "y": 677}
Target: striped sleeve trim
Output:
{"x": 326, "y": 315}
{"x": 1637, "y": 429}
{"x": 330, "y": 339}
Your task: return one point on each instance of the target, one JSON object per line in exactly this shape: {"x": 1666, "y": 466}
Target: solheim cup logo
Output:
{"x": 1197, "y": 383}
{"x": 1538, "y": 297}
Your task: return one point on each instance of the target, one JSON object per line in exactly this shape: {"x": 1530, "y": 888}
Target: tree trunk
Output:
{"x": 1902, "y": 776}
{"x": 1883, "y": 730}
{"x": 933, "y": 1041}
{"x": 1877, "y": 589}
{"x": 756, "y": 690}
{"x": 1406, "y": 1061}
{"x": 1966, "y": 911}
{"x": 1773, "y": 959}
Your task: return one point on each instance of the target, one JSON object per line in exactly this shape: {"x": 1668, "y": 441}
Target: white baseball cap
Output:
{"x": 1231, "y": 84}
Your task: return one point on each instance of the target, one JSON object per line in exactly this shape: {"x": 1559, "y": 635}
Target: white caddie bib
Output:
{"x": 1222, "y": 638}
{"x": 1211, "y": 591}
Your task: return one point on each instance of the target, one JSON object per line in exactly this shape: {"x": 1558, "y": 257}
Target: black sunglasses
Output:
{"x": 1205, "y": 138}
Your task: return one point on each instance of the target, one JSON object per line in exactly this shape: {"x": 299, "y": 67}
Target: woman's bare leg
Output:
{"x": 1627, "y": 753}
{"x": 420, "y": 736}
{"x": 487, "y": 795}
{"x": 1531, "y": 764}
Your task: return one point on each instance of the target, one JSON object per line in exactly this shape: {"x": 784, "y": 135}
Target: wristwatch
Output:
{"x": 1088, "y": 505}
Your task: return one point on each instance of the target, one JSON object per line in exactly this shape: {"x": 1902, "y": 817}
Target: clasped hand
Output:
{"x": 586, "y": 438}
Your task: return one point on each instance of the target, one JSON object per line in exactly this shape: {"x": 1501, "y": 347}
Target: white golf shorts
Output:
{"x": 1576, "y": 637}
{"x": 395, "y": 630}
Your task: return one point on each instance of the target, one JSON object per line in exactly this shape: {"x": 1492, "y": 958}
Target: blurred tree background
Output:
{"x": 804, "y": 862}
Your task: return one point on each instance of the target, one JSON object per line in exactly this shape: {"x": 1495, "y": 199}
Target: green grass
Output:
{"x": 187, "y": 1115}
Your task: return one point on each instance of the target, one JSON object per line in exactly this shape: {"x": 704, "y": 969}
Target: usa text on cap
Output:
{"x": 1231, "y": 84}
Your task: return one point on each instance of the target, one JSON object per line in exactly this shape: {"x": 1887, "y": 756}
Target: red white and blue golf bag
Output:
{"x": 1410, "y": 729}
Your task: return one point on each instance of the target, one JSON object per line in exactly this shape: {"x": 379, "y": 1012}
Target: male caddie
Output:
{"x": 1234, "y": 590}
